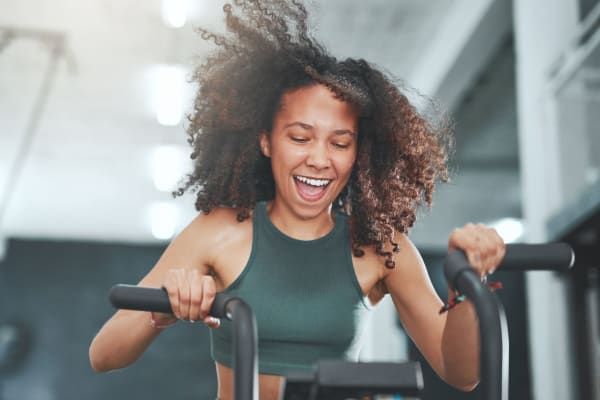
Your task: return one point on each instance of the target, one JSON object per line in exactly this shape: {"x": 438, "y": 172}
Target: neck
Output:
{"x": 299, "y": 227}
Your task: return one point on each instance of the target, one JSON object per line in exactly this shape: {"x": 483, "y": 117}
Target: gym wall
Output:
{"x": 58, "y": 292}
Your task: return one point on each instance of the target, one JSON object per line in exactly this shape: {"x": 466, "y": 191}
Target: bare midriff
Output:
{"x": 268, "y": 385}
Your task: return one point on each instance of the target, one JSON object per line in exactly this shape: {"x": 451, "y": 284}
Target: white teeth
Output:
{"x": 313, "y": 182}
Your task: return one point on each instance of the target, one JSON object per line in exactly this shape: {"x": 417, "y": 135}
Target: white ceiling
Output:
{"x": 87, "y": 173}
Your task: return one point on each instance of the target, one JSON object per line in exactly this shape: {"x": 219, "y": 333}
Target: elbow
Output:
{"x": 97, "y": 363}
{"x": 99, "y": 359}
{"x": 98, "y": 368}
{"x": 468, "y": 387}
{"x": 465, "y": 382}
{"x": 461, "y": 375}
{"x": 102, "y": 364}
{"x": 462, "y": 383}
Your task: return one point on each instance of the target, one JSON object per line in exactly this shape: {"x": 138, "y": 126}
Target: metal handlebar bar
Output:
{"x": 245, "y": 360}
{"x": 490, "y": 313}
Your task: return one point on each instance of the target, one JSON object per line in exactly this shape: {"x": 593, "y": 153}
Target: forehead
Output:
{"x": 316, "y": 104}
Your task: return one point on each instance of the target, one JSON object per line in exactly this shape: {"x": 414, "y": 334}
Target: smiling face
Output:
{"x": 312, "y": 147}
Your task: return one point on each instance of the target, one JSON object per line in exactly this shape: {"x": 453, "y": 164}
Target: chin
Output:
{"x": 309, "y": 210}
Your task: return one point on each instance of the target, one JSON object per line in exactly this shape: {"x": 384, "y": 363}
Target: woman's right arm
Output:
{"x": 183, "y": 269}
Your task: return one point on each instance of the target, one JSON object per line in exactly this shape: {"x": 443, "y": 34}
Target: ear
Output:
{"x": 265, "y": 144}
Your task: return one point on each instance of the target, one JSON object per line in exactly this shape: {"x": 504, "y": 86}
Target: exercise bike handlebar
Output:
{"x": 245, "y": 361}
{"x": 520, "y": 257}
{"x": 492, "y": 321}
{"x": 459, "y": 275}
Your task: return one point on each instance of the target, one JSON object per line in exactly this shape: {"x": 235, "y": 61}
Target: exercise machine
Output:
{"x": 334, "y": 380}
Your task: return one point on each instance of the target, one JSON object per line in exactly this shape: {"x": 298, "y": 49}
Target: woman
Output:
{"x": 309, "y": 172}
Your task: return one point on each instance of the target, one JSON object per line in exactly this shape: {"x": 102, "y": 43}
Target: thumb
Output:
{"x": 212, "y": 322}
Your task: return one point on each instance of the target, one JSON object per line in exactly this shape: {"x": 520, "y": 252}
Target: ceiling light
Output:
{"x": 163, "y": 219}
{"x": 168, "y": 164}
{"x": 509, "y": 229}
{"x": 168, "y": 93}
{"x": 174, "y": 12}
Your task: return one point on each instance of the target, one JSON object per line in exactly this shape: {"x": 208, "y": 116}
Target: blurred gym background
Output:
{"x": 93, "y": 98}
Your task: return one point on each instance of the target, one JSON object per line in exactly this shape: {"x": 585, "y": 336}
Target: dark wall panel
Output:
{"x": 59, "y": 291}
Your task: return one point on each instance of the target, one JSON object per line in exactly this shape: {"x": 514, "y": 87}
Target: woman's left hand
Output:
{"x": 483, "y": 246}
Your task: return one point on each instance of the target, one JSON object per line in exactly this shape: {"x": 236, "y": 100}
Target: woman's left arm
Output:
{"x": 485, "y": 250}
{"x": 448, "y": 341}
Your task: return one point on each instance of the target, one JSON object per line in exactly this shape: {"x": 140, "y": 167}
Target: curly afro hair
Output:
{"x": 267, "y": 51}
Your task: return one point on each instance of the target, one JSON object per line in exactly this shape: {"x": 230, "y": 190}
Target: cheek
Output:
{"x": 285, "y": 159}
{"x": 289, "y": 155}
{"x": 345, "y": 164}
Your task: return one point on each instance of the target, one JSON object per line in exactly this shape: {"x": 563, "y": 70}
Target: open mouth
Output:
{"x": 311, "y": 189}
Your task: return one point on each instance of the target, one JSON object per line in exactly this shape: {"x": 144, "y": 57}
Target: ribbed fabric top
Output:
{"x": 305, "y": 296}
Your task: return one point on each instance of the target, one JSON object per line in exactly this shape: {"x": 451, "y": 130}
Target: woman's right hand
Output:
{"x": 191, "y": 295}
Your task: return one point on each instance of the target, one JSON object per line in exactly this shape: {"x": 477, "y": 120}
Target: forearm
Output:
{"x": 460, "y": 346}
{"x": 121, "y": 341}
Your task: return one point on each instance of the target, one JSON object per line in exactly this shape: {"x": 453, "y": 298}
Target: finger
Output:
{"x": 461, "y": 238}
{"x": 487, "y": 248}
{"x": 208, "y": 295}
{"x": 212, "y": 322}
{"x": 184, "y": 294}
{"x": 492, "y": 245}
{"x": 497, "y": 261}
{"x": 465, "y": 238}
{"x": 475, "y": 262}
{"x": 171, "y": 286}
{"x": 196, "y": 290}
{"x": 500, "y": 248}
{"x": 476, "y": 248}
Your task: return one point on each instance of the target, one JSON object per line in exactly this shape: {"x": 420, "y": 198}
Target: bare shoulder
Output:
{"x": 218, "y": 220}
{"x": 200, "y": 244}
{"x": 226, "y": 243}
{"x": 220, "y": 228}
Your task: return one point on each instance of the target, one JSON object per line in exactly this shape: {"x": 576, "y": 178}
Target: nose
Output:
{"x": 318, "y": 156}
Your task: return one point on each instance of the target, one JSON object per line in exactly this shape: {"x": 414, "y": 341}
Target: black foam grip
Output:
{"x": 131, "y": 297}
{"x": 547, "y": 256}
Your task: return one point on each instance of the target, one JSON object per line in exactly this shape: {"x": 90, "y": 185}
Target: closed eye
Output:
{"x": 341, "y": 145}
{"x": 300, "y": 139}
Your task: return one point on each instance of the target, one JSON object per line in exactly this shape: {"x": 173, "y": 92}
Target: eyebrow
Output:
{"x": 309, "y": 127}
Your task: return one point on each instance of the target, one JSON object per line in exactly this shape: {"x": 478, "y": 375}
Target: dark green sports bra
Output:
{"x": 305, "y": 296}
